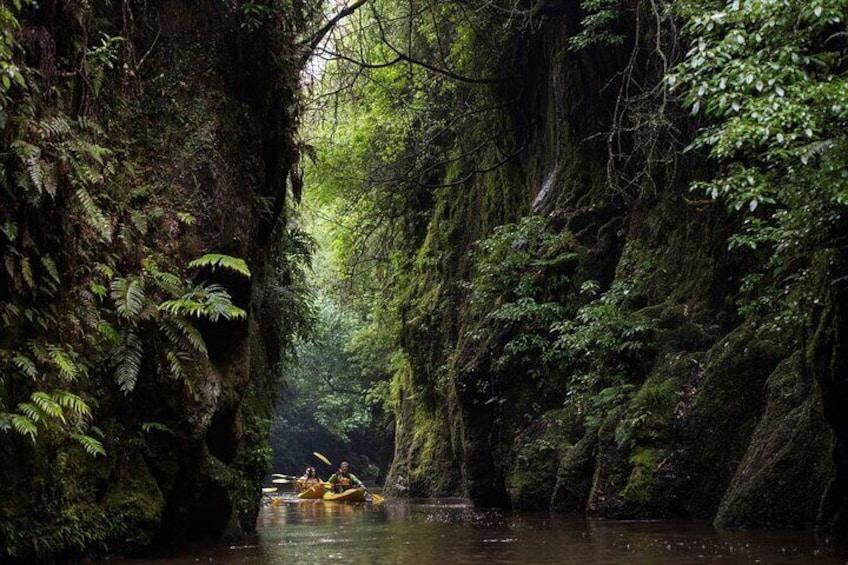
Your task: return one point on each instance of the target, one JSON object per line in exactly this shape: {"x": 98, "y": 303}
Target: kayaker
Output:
{"x": 343, "y": 479}
{"x": 310, "y": 478}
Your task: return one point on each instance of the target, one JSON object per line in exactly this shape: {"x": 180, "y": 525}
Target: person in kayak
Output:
{"x": 343, "y": 479}
{"x": 310, "y": 478}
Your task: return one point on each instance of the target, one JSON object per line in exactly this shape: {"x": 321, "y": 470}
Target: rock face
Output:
{"x": 200, "y": 110}
{"x": 676, "y": 404}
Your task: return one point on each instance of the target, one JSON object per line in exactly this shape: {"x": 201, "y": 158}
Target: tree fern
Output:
{"x": 217, "y": 260}
{"x": 129, "y": 358}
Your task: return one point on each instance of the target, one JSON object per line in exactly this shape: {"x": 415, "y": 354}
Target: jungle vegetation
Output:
{"x": 443, "y": 276}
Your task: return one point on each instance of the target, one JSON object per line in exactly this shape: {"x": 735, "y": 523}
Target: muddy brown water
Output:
{"x": 448, "y": 531}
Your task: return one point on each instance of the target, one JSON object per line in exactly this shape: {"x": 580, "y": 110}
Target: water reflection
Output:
{"x": 451, "y": 531}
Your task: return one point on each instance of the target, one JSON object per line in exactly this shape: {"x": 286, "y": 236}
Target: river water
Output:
{"x": 448, "y": 531}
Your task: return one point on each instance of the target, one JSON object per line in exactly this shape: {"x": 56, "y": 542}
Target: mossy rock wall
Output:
{"x": 714, "y": 418}
{"x": 204, "y": 127}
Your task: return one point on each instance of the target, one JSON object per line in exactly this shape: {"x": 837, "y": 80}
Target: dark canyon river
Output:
{"x": 447, "y": 531}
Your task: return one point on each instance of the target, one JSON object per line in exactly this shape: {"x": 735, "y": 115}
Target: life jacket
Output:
{"x": 343, "y": 482}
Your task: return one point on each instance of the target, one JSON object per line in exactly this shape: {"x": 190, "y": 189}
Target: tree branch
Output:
{"x": 315, "y": 40}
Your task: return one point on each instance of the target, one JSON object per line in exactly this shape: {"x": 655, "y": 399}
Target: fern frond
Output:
{"x": 24, "y": 426}
{"x": 68, "y": 368}
{"x": 5, "y": 421}
{"x": 25, "y": 365}
{"x": 186, "y": 218}
{"x": 216, "y": 260}
{"x": 155, "y": 427}
{"x": 48, "y": 406}
{"x": 26, "y": 272}
{"x": 212, "y": 302}
{"x": 94, "y": 215}
{"x": 109, "y": 332}
{"x": 128, "y": 295}
{"x": 191, "y": 336}
{"x": 50, "y": 266}
{"x": 53, "y": 128}
{"x": 72, "y": 402}
{"x": 92, "y": 446}
{"x": 167, "y": 282}
{"x": 33, "y": 412}
{"x": 175, "y": 362}
{"x": 129, "y": 362}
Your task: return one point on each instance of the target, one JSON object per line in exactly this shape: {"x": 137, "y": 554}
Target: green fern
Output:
{"x": 175, "y": 362}
{"x": 129, "y": 362}
{"x": 94, "y": 215}
{"x": 217, "y": 260}
{"x": 35, "y": 414}
{"x": 92, "y": 446}
{"x": 24, "y": 426}
{"x": 128, "y": 295}
{"x": 72, "y": 402}
{"x": 148, "y": 427}
{"x": 25, "y": 365}
{"x": 49, "y": 406}
{"x": 26, "y": 272}
{"x": 212, "y": 302}
{"x": 183, "y": 335}
{"x": 68, "y": 368}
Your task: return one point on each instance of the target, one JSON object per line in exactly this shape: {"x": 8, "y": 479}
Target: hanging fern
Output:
{"x": 156, "y": 427}
{"x": 25, "y": 365}
{"x": 217, "y": 260}
{"x": 24, "y": 426}
{"x": 92, "y": 446}
{"x": 74, "y": 403}
{"x": 94, "y": 215}
{"x": 128, "y": 295}
{"x": 212, "y": 302}
{"x": 49, "y": 406}
{"x": 64, "y": 361}
{"x": 129, "y": 362}
{"x": 183, "y": 335}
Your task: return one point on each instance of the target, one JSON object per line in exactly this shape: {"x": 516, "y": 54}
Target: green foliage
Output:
{"x": 523, "y": 283}
{"x": 216, "y": 261}
{"x": 768, "y": 79}
{"x": 204, "y": 301}
{"x": 596, "y": 24}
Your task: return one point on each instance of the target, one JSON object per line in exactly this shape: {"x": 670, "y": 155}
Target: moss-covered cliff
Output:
{"x": 590, "y": 355}
{"x": 144, "y": 136}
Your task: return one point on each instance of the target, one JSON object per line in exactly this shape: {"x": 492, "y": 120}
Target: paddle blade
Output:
{"x": 322, "y": 458}
{"x": 377, "y": 499}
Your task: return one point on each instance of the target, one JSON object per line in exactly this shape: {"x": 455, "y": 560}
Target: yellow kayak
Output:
{"x": 313, "y": 493}
{"x": 350, "y": 495}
